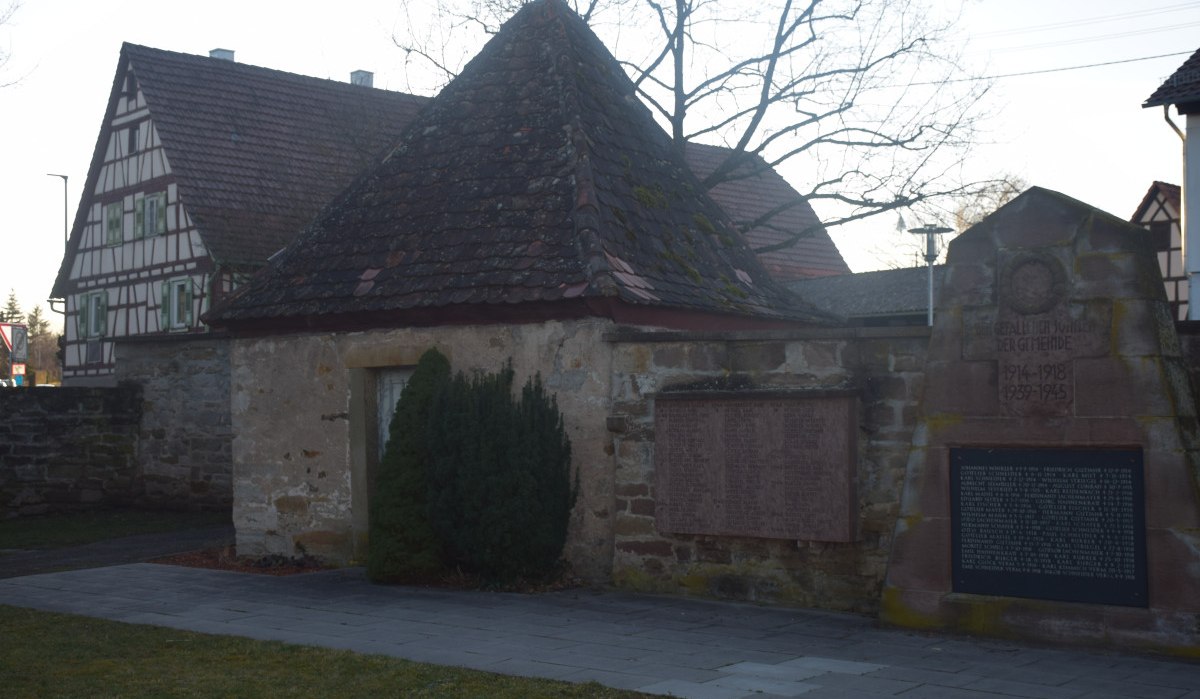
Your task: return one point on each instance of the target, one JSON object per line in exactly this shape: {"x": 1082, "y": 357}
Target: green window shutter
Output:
{"x": 160, "y": 222}
{"x": 112, "y": 223}
{"x": 164, "y": 311}
{"x": 102, "y": 311}
{"x": 187, "y": 313}
{"x": 82, "y": 328}
{"x": 139, "y": 217}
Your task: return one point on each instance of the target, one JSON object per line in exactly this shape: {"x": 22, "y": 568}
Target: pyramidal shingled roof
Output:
{"x": 535, "y": 177}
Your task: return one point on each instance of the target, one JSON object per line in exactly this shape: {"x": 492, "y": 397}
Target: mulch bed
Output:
{"x": 227, "y": 559}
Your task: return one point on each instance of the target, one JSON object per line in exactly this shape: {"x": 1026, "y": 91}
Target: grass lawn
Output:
{"x": 54, "y": 531}
{"x": 59, "y": 655}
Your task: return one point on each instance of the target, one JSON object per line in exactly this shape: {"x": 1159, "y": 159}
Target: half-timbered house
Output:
{"x": 1161, "y": 214}
{"x": 205, "y": 167}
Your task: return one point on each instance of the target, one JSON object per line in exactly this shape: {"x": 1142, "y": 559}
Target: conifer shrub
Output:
{"x": 403, "y": 546}
{"x": 500, "y": 488}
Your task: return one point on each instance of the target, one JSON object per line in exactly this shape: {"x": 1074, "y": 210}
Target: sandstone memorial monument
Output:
{"x": 1051, "y": 490}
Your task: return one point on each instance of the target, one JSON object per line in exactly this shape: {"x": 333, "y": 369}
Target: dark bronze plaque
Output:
{"x": 776, "y": 468}
{"x": 1055, "y": 524}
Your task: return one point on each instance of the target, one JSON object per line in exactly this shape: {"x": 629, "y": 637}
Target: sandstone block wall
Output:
{"x": 884, "y": 368}
{"x": 67, "y": 448}
{"x": 300, "y": 406}
{"x": 185, "y": 442}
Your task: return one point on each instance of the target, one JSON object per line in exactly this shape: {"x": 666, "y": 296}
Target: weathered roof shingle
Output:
{"x": 535, "y": 176}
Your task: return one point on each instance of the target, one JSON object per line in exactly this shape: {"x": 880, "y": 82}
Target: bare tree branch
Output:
{"x": 6, "y": 15}
{"x": 863, "y": 98}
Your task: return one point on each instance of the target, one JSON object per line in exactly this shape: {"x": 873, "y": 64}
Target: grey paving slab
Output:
{"x": 1024, "y": 689}
{"x": 665, "y": 645}
{"x": 845, "y": 667}
{"x": 939, "y": 692}
{"x": 921, "y": 676}
{"x": 782, "y": 672}
{"x": 1091, "y": 687}
{"x": 764, "y": 685}
{"x": 866, "y": 684}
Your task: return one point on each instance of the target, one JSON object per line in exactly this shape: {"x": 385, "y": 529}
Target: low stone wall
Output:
{"x": 184, "y": 449}
{"x": 882, "y": 370}
{"x": 68, "y": 448}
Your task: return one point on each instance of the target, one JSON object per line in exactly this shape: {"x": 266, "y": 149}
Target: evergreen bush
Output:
{"x": 403, "y": 546}
{"x": 500, "y": 489}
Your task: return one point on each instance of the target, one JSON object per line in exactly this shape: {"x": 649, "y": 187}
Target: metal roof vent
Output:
{"x": 222, "y": 54}
{"x": 362, "y": 77}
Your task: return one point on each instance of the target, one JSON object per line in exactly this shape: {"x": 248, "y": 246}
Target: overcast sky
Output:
{"x": 1082, "y": 132}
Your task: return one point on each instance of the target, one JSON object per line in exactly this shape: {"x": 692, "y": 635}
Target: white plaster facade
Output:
{"x": 131, "y": 256}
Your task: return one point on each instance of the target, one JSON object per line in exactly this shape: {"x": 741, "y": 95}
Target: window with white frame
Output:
{"x": 389, "y": 384}
{"x": 93, "y": 314}
{"x": 150, "y": 215}
{"x": 114, "y": 215}
{"x": 176, "y": 309}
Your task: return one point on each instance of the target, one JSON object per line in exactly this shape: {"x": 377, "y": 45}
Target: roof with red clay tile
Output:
{"x": 759, "y": 192}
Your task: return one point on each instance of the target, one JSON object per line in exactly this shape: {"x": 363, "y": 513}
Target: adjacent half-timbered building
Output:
{"x": 203, "y": 169}
{"x": 1161, "y": 214}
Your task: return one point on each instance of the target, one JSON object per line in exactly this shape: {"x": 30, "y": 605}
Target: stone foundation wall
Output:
{"x": 185, "y": 441}
{"x": 64, "y": 449}
{"x": 884, "y": 368}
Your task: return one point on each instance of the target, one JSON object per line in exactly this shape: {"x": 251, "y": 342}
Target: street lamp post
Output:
{"x": 66, "y": 230}
{"x": 931, "y": 254}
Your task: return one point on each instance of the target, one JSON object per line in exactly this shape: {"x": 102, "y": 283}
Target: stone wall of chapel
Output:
{"x": 298, "y": 412}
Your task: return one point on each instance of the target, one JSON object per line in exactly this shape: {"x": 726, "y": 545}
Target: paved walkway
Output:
{"x": 660, "y": 645}
{"x": 127, "y": 549}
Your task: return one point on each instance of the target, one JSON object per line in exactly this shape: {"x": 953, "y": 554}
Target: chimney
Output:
{"x": 222, "y": 54}
{"x": 362, "y": 77}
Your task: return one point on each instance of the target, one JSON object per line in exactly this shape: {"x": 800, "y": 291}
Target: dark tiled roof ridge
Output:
{"x": 1181, "y": 88}
{"x": 144, "y": 52}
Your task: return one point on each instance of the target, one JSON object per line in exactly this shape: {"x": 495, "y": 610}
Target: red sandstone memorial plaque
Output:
{"x": 1035, "y": 337}
{"x": 776, "y": 467}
